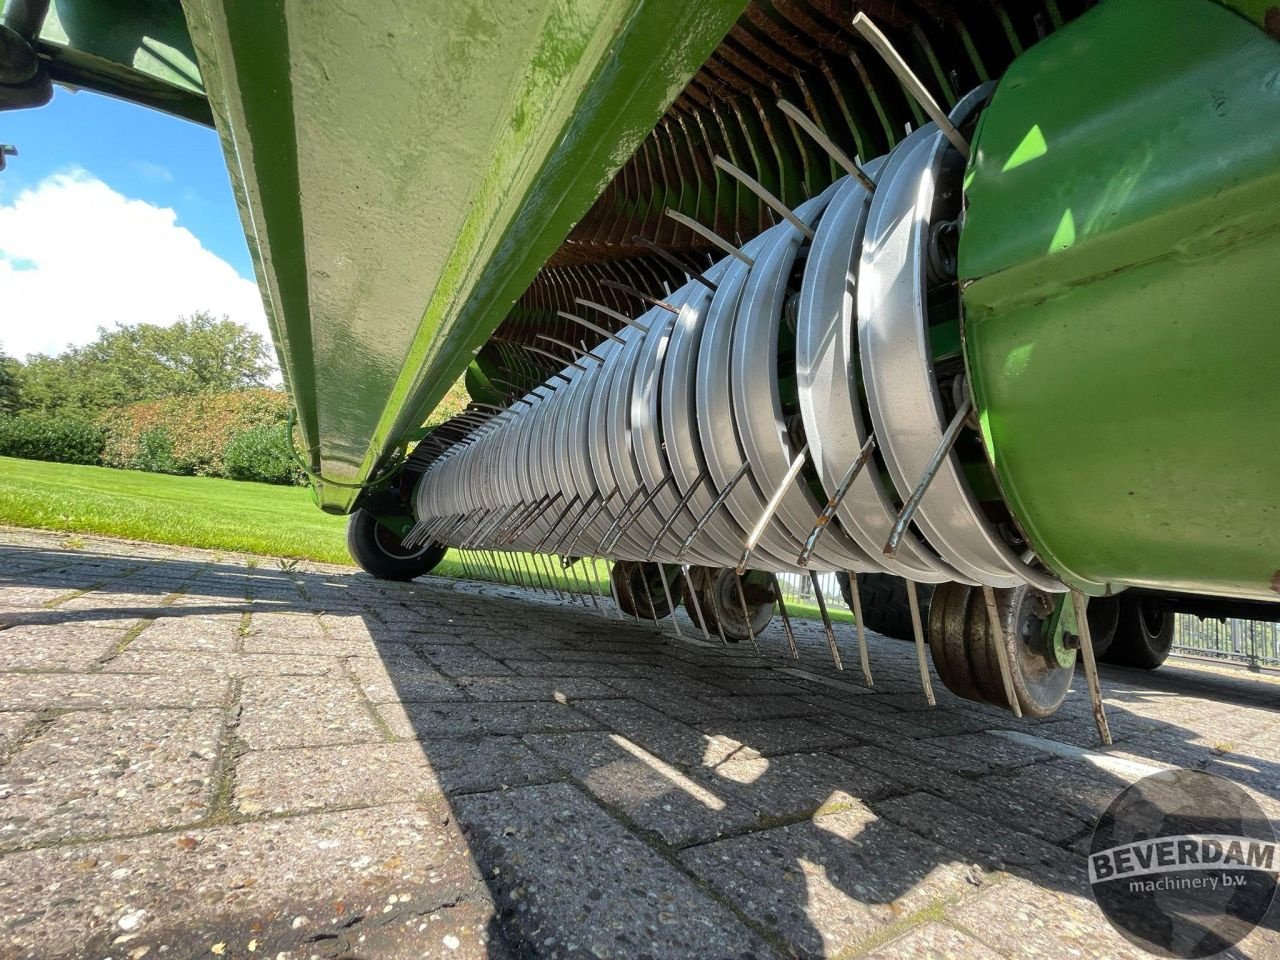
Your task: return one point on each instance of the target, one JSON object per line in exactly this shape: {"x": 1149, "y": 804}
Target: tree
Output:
{"x": 148, "y": 362}
{"x": 10, "y": 390}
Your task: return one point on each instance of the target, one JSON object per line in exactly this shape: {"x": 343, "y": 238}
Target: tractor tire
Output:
{"x": 1144, "y": 634}
{"x": 885, "y": 607}
{"x": 638, "y": 587}
{"x": 379, "y": 552}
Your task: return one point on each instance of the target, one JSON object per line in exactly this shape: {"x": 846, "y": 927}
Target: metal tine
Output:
{"x": 577, "y": 351}
{"x": 626, "y": 506}
{"x": 613, "y": 589}
{"x": 644, "y": 582}
{"x": 593, "y": 581}
{"x": 607, "y": 334}
{"x": 509, "y": 532}
{"x": 609, "y": 312}
{"x": 575, "y": 525}
{"x": 541, "y": 558}
{"x": 534, "y": 516}
{"x": 909, "y": 508}
{"x": 826, "y": 620}
{"x": 676, "y": 262}
{"x": 753, "y": 539}
{"x": 865, "y": 26}
{"x": 862, "y": 631}
{"x": 671, "y": 607}
{"x": 756, "y": 187}
{"x": 914, "y": 602}
{"x": 556, "y": 524}
{"x": 716, "y": 505}
{"x": 635, "y": 514}
{"x": 839, "y": 156}
{"x": 708, "y": 234}
{"x": 552, "y": 356}
{"x": 746, "y": 617}
{"x": 829, "y": 511}
{"x": 592, "y": 519}
{"x": 680, "y": 507}
{"x": 697, "y": 605}
{"x": 662, "y": 304}
{"x": 1002, "y": 653}
{"x": 1080, "y": 605}
{"x": 786, "y": 620}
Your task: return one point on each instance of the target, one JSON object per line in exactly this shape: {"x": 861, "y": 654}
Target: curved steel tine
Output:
{"x": 708, "y": 234}
{"x": 909, "y": 508}
{"x": 865, "y": 26}
{"x": 826, "y": 620}
{"x": 863, "y": 654}
{"x": 610, "y": 312}
{"x": 635, "y": 514}
{"x": 680, "y": 507}
{"x": 753, "y": 539}
{"x": 1002, "y": 653}
{"x": 829, "y": 511}
{"x": 676, "y": 262}
{"x": 715, "y": 505}
{"x": 746, "y": 617}
{"x": 756, "y": 187}
{"x": 839, "y": 156}
{"x": 1080, "y": 605}
{"x": 671, "y": 607}
{"x": 918, "y": 629}
{"x": 786, "y": 620}
{"x": 639, "y": 294}
{"x": 697, "y": 604}
{"x": 606, "y": 334}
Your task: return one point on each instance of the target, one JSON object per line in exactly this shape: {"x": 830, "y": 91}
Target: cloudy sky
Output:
{"x": 114, "y": 213}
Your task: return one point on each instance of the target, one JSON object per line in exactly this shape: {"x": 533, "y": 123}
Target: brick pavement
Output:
{"x": 207, "y": 755}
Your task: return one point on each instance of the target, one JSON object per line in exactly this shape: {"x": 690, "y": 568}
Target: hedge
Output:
{"x": 261, "y": 454}
{"x": 188, "y": 434}
{"x": 57, "y": 437}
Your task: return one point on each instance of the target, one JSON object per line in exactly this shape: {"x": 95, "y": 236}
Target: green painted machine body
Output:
{"x": 1119, "y": 261}
{"x": 403, "y": 170}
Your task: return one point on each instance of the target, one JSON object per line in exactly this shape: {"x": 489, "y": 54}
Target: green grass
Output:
{"x": 256, "y": 518}
{"x": 188, "y": 511}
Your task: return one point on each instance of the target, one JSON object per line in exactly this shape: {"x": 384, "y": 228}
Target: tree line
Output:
{"x": 197, "y": 354}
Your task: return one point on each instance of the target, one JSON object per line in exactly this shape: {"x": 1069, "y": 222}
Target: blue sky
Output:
{"x": 113, "y": 213}
{"x": 139, "y": 152}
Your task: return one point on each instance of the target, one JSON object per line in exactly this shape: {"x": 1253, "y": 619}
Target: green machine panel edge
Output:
{"x": 391, "y": 233}
{"x": 1118, "y": 254}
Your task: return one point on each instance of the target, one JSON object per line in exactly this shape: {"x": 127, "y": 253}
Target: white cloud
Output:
{"x": 76, "y": 255}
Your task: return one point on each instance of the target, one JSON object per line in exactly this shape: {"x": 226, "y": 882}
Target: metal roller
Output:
{"x": 715, "y": 427}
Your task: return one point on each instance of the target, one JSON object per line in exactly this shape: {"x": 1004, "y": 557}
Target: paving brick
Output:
{"x": 92, "y": 773}
{"x": 59, "y": 647}
{"x": 933, "y": 941}
{"x": 560, "y": 689}
{"x": 407, "y": 679}
{"x": 67, "y": 691}
{"x": 827, "y": 884}
{"x": 569, "y": 881}
{"x": 399, "y": 876}
{"x": 312, "y": 778}
{"x": 465, "y": 719}
{"x": 303, "y": 712}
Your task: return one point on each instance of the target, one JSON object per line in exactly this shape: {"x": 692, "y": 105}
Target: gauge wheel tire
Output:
{"x": 1144, "y": 634}
{"x": 721, "y": 606}
{"x": 380, "y": 553}
{"x": 629, "y": 580}
{"x": 885, "y": 607}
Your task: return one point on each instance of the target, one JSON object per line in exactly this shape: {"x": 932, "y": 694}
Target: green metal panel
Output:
{"x": 135, "y": 49}
{"x": 405, "y": 169}
{"x": 1119, "y": 259}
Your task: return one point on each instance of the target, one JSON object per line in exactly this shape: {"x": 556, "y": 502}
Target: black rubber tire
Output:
{"x": 721, "y": 606}
{"x": 379, "y": 553}
{"x": 629, "y": 579}
{"x": 1144, "y": 634}
{"x": 885, "y": 607}
{"x": 1104, "y": 618}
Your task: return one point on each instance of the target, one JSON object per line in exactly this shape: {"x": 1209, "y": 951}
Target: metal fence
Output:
{"x": 1239, "y": 641}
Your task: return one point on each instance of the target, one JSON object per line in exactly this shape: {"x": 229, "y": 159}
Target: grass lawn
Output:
{"x": 259, "y": 518}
